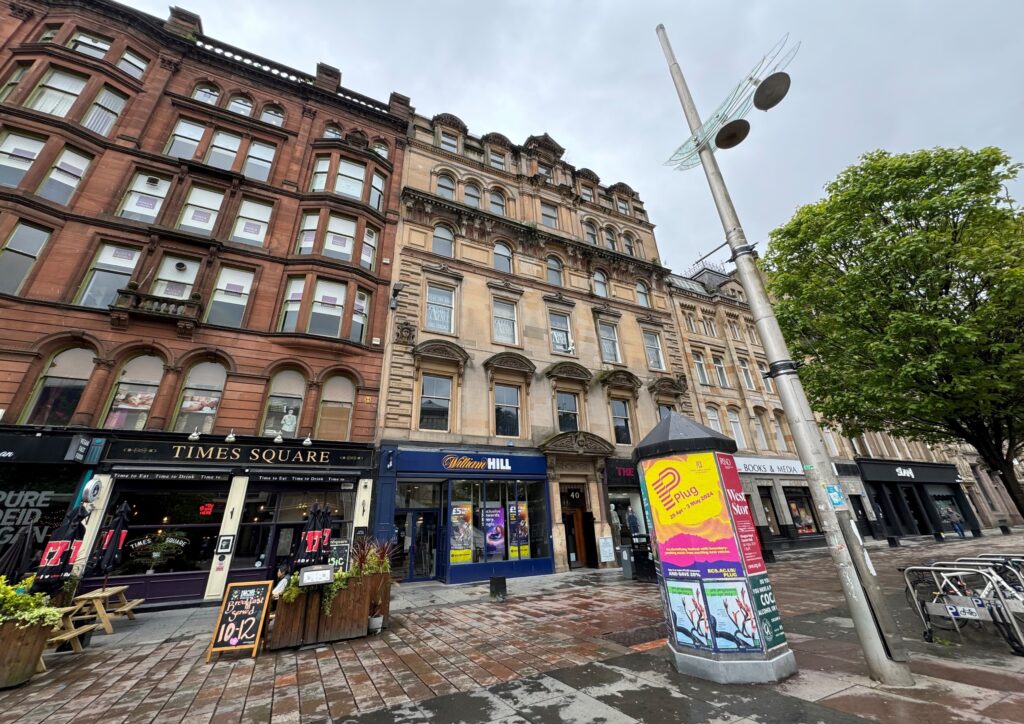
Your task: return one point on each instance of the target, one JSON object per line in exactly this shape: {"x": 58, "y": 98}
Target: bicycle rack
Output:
{"x": 964, "y": 594}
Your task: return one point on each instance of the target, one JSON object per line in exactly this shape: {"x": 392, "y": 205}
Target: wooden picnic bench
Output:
{"x": 66, "y": 632}
{"x": 104, "y": 603}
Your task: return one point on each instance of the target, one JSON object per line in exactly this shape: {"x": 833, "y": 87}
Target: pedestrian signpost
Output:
{"x": 722, "y": 620}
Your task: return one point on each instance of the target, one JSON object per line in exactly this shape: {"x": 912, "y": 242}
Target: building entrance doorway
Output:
{"x": 416, "y": 550}
{"x": 917, "y": 512}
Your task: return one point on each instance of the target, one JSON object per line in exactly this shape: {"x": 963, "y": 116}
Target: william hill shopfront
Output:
{"x": 203, "y": 514}
{"x": 463, "y": 515}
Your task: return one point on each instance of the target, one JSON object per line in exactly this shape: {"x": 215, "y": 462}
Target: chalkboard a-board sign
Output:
{"x": 240, "y": 620}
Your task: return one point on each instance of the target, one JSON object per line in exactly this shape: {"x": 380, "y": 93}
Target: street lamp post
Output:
{"x": 872, "y": 619}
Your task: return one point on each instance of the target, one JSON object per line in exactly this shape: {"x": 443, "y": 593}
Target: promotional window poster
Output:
{"x": 690, "y": 624}
{"x": 691, "y": 518}
{"x": 731, "y": 616}
{"x": 518, "y": 531}
{"x": 461, "y": 538}
{"x": 494, "y": 525}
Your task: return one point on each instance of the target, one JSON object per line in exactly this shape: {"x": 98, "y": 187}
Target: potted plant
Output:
{"x": 378, "y": 570}
{"x": 26, "y": 621}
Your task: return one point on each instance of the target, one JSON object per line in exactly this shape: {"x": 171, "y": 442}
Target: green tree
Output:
{"x": 903, "y": 293}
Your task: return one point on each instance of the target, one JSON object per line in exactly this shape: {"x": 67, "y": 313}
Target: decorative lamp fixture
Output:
{"x": 307, "y": 442}
{"x": 231, "y": 436}
{"x": 194, "y": 437}
{"x": 278, "y": 439}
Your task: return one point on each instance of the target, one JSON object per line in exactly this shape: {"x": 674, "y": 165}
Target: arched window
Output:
{"x": 380, "y": 148}
{"x": 554, "y": 271}
{"x": 273, "y": 115}
{"x": 780, "y": 432}
{"x": 643, "y": 294}
{"x": 503, "y": 258}
{"x": 443, "y": 242}
{"x": 335, "y": 419}
{"x": 471, "y": 196}
{"x": 446, "y": 187}
{"x": 737, "y": 428}
{"x": 240, "y": 104}
{"x": 589, "y": 233}
{"x": 284, "y": 404}
{"x": 627, "y": 244}
{"x": 600, "y": 284}
{"x": 200, "y": 397}
{"x": 134, "y": 393}
{"x": 713, "y": 422}
{"x": 60, "y": 387}
{"x": 332, "y": 131}
{"x": 207, "y": 93}
{"x": 609, "y": 240}
{"x": 497, "y": 202}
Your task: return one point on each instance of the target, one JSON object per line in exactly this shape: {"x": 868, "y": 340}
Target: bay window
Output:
{"x": 65, "y": 176}
{"x": 292, "y": 304}
{"x": 57, "y": 92}
{"x": 17, "y": 153}
{"x": 105, "y": 110}
{"x": 230, "y": 297}
{"x": 19, "y": 254}
{"x": 328, "y": 308}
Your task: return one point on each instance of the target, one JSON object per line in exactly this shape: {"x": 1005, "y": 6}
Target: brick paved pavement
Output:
{"x": 548, "y": 656}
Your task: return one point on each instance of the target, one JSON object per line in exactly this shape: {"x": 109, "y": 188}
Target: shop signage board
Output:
{"x": 709, "y": 553}
{"x": 338, "y": 557}
{"x": 768, "y": 466}
{"x": 456, "y": 464}
{"x": 607, "y": 550}
{"x": 239, "y": 623}
{"x": 236, "y": 454}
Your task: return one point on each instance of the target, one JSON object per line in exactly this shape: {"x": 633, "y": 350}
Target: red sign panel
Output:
{"x": 750, "y": 544}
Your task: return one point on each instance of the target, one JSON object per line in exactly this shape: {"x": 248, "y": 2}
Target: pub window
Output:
{"x": 133, "y": 64}
{"x": 435, "y": 401}
{"x": 284, "y": 404}
{"x": 230, "y": 297}
{"x": 199, "y": 216}
{"x": 60, "y": 387}
{"x": 335, "y": 419}
{"x": 440, "y": 309}
{"x": 110, "y": 271}
{"x": 223, "y": 150}
{"x": 506, "y": 410}
{"x": 620, "y": 421}
{"x": 19, "y": 255}
{"x": 506, "y": 326}
{"x": 175, "y": 277}
{"x": 104, "y": 111}
{"x": 253, "y": 222}
{"x": 737, "y": 428}
{"x": 328, "y": 308}
{"x": 357, "y": 331}
{"x": 17, "y": 154}
{"x": 207, "y": 93}
{"x": 145, "y": 197}
{"x": 503, "y": 258}
{"x": 200, "y": 398}
{"x": 568, "y": 408}
{"x": 443, "y": 241}
{"x": 185, "y": 139}
{"x": 714, "y": 422}
{"x": 134, "y": 393}
{"x": 293, "y": 292}
{"x": 57, "y": 92}
{"x": 65, "y": 176}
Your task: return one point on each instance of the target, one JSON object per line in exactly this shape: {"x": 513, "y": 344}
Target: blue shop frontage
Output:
{"x": 461, "y": 515}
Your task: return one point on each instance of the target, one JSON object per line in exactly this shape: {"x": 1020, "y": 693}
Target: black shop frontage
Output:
{"x": 909, "y": 498}
{"x": 207, "y": 513}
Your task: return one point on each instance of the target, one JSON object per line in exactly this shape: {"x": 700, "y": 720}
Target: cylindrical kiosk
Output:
{"x": 723, "y": 624}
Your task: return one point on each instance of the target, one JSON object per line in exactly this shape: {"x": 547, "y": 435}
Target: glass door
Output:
{"x": 423, "y": 552}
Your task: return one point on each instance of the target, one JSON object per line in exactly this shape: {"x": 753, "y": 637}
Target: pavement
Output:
{"x": 585, "y": 646}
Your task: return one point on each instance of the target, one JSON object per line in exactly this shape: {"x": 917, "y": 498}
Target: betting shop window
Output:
{"x": 497, "y": 520}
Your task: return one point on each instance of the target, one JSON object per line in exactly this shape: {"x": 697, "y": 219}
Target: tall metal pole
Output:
{"x": 870, "y": 626}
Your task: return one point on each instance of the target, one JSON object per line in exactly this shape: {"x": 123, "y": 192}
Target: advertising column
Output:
{"x": 721, "y": 614}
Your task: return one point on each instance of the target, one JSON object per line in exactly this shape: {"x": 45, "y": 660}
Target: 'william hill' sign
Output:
{"x": 470, "y": 463}
{"x": 206, "y": 453}
{"x": 464, "y": 462}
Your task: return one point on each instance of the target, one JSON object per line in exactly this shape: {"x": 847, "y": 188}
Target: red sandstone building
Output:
{"x": 195, "y": 247}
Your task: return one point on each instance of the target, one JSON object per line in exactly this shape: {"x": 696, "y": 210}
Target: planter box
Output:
{"x": 20, "y": 649}
{"x": 303, "y": 622}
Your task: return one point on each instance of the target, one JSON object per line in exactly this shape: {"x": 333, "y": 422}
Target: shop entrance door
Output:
{"x": 575, "y": 547}
{"x": 924, "y": 526}
{"x": 416, "y": 555}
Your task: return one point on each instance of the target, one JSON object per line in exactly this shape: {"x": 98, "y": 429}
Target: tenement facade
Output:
{"x": 532, "y": 345}
{"x": 194, "y": 271}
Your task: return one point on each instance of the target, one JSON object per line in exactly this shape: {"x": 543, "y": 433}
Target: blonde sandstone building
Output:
{"x": 532, "y": 345}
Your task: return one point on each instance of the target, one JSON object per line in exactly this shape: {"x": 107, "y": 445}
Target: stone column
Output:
{"x": 87, "y": 412}
{"x": 310, "y": 408}
{"x": 166, "y": 396}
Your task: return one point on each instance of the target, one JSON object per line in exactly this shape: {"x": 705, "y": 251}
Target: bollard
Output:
{"x": 499, "y": 589}
{"x": 894, "y": 541}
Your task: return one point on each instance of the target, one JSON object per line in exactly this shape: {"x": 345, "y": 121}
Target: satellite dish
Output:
{"x": 771, "y": 91}
{"x": 91, "y": 491}
{"x": 732, "y": 134}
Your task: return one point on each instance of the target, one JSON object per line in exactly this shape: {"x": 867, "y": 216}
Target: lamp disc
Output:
{"x": 771, "y": 91}
{"x": 732, "y": 134}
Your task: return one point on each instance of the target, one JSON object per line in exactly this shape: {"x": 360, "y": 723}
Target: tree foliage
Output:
{"x": 903, "y": 292}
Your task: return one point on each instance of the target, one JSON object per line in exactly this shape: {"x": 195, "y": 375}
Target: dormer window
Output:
{"x": 587, "y": 194}
{"x": 544, "y": 170}
{"x": 206, "y": 93}
{"x": 622, "y": 206}
{"x": 449, "y": 142}
{"x": 94, "y": 46}
{"x": 497, "y": 160}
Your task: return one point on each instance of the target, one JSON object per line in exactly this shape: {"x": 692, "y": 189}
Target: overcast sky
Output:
{"x": 884, "y": 74}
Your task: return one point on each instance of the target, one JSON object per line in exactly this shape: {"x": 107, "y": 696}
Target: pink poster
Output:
{"x": 750, "y": 544}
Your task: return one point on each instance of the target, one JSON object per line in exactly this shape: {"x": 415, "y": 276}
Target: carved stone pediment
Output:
{"x": 559, "y": 299}
{"x": 568, "y": 371}
{"x": 668, "y": 386}
{"x": 450, "y": 119}
{"x": 497, "y": 139}
{"x": 588, "y": 175}
{"x": 443, "y": 270}
{"x": 621, "y": 379}
{"x": 510, "y": 362}
{"x": 405, "y": 333}
{"x": 577, "y": 443}
{"x": 506, "y": 287}
{"x": 441, "y": 349}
